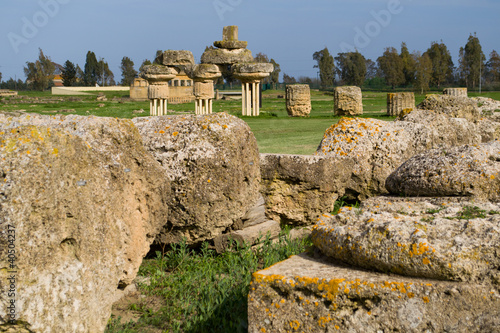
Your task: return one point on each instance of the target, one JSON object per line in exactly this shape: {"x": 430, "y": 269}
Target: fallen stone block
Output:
{"x": 303, "y": 294}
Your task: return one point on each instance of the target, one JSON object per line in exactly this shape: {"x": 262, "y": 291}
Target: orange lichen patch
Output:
{"x": 426, "y": 261}
{"x": 425, "y": 299}
{"x": 162, "y": 131}
{"x": 175, "y": 133}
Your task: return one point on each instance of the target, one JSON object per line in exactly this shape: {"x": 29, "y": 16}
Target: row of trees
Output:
{"x": 40, "y": 73}
{"x": 418, "y": 70}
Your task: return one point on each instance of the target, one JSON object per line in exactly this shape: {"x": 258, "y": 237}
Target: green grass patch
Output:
{"x": 203, "y": 291}
{"x": 274, "y": 130}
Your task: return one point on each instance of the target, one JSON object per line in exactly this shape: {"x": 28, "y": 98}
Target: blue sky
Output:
{"x": 289, "y": 31}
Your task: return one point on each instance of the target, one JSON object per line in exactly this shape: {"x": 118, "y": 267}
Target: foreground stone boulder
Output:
{"x": 299, "y": 188}
{"x": 306, "y": 294}
{"x": 212, "y": 162}
{"x": 394, "y": 264}
{"x": 379, "y": 147}
{"x": 86, "y": 201}
{"x": 472, "y": 170}
{"x": 443, "y": 239}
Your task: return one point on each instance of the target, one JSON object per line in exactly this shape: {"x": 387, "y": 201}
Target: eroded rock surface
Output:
{"x": 212, "y": 162}
{"x": 443, "y": 239}
{"x": 471, "y": 170}
{"x": 299, "y": 188}
{"x": 86, "y": 201}
{"x": 305, "y": 294}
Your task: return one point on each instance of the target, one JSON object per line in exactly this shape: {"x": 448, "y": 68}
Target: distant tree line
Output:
{"x": 416, "y": 70}
{"x": 393, "y": 69}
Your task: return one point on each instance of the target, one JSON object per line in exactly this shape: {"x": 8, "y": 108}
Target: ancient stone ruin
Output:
{"x": 229, "y": 57}
{"x": 459, "y": 92}
{"x": 398, "y": 103}
{"x": 348, "y": 101}
{"x": 298, "y": 100}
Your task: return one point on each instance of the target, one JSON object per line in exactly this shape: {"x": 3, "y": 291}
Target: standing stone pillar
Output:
{"x": 204, "y": 76}
{"x": 250, "y": 75}
{"x": 460, "y": 92}
{"x": 348, "y": 101}
{"x": 298, "y": 100}
{"x": 204, "y": 93}
{"x": 158, "y": 77}
{"x": 398, "y": 102}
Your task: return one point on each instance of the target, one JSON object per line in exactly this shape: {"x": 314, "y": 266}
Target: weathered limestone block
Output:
{"x": 315, "y": 295}
{"x": 399, "y": 102}
{"x": 205, "y": 72}
{"x": 446, "y": 246}
{"x": 212, "y": 162}
{"x": 176, "y": 58}
{"x": 298, "y": 100}
{"x": 158, "y": 91}
{"x": 459, "y": 92}
{"x": 226, "y": 57}
{"x": 86, "y": 201}
{"x": 204, "y": 90}
{"x": 252, "y": 71}
{"x": 378, "y": 147}
{"x": 489, "y": 128}
{"x": 299, "y": 188}
{"x": 249, "y": 236}
{"x": 157, "y": 73}
{"x": 460, "y": 171}
{"x": 487, "y": 105}
{"x": 453, "y": 106}
{"x": 348, "y": 101}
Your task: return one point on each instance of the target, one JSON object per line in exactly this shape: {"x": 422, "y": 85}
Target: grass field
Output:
{"x": 274, "y": 130}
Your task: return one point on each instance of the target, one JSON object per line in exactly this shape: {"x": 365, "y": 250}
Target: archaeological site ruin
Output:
{"x": 88, "y": 196}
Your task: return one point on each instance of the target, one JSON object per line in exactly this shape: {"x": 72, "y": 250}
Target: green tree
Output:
{"x": 40, "y": 73}
{"x": 408, "y": 64}
{"x": 145, "y": 62}
{"x": 473, "y": 61}
{"x": 69, "y": 74}
{"x": 493, "y": 67}
{"x": 275, "y": 75}
{"x": 288, "y": 79}
{"x": 0, "y": 77}
{"x": 423, "y": 71}
{"x": 391, "y": 66}
{"x": 351, "y": 68}
{"x": 80, "y": 75}
{"x": 371, "y": 69}
{"x": 91, "y": 70}
{"x": 105, "y": 75}
{"x": 128, "y": 71}
{"x": 326, "y": 67}
{"x": 261, "y": 57}
{"x": 442, "y": 65}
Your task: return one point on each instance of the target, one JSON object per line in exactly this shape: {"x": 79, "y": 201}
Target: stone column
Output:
{"x": 460, "y": 92}
{"x": 158, "y": 77}
{"x": 204, "y": 76}
{"x": 298, "y": 100}
{"x": 204, "y": 93}
{"x": 398, "y": 102}
{"x": 158, "y": 94}
{"x": 250, "y": 75}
